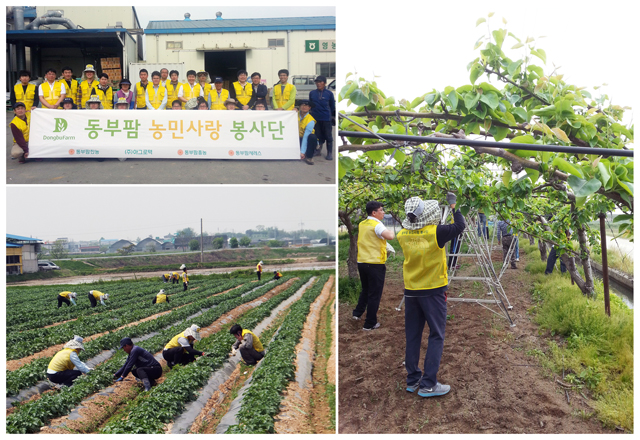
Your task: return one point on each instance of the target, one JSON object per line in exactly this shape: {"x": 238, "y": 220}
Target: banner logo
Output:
{"x": 61, "y": 125}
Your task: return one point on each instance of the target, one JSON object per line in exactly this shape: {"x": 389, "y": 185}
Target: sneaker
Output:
{"x": 438, "y": 390}
{"x": 355, "y": 318}
{"x": 372, "y": 328}
{"x": 518, "y": 260}
{"x": 308, "y": 160}
{"x": 413, "y": 388}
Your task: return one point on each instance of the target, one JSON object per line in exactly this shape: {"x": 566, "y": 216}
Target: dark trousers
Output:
{"x": 324, "y": 131}
{"x": 250, "y": 356}
{"x": 418, "y": 310}
{"x": 175, "y": 281}
{"x": 65, "y": 377}
{"x": 165, "y": 279}
{"x": 177, "y": 356}
{"x": 93, "y": 300}
{"x": 62, "y": 299}
{"x": 551, "y": 262}
{"x": 454, "y": 248}
{"x": 506, "y": 244}
{"x": 259, "y": 275}
{"x": 372, "y": 280}
{"x": 482, "y": 225}
{"x": 151, "y": 373}
{"x": 312, "y": 143}
{"x": 185, "y": 286}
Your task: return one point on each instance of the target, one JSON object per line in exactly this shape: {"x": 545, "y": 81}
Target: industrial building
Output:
{"x": 22, "y": 254}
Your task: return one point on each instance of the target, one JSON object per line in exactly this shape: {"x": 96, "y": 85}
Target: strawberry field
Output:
{"x": 37, "y": 329}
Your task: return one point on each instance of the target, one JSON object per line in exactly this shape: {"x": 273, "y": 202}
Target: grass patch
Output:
{"x": 343, "y": 249}
{"x": 536, "y": 266}
{"x": 349, "y": 290}
{"x": 615, "y": 259}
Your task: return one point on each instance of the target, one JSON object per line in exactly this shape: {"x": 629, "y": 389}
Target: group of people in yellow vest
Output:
{"x": 94, "y": 296}
{"x": 259, "y": 267}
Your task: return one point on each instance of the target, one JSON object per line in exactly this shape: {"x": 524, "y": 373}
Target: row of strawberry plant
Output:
{"x": 33, "y": 372}
{"x": 181, "y": 385}
{"x": 261, "y": 402}
{"x": 30, "y": 416}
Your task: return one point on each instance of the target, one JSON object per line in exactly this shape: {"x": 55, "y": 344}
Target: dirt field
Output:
{"x": 495, "y": 386}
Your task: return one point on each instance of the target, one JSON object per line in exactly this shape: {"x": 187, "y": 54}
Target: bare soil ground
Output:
{"x": 495, "y": 386}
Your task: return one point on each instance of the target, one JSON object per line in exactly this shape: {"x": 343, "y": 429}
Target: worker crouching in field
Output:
{"x": 95, "y": 296}
{"x": 423, "y": 241}
{"x": 180, "y": 351}
{"x": 249, "y": 344}
{"x": 147, "y": 369}
{"x": 276, "y": 275}
{"x": 67, "y": 298}
{"x": 173, "y": 277}
{"x": 60, "y": 370}
{"x": 161, "y": 297}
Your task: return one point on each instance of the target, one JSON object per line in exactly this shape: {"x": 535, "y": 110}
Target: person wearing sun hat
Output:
{"x": 89, "y": 82}
{"x": 185, "y": 277}
{"x": 61, "y": 367}
{"x": 147, "y": 370}
{"x": 259, "y": 269}
{"x": 122, "y": 104}
{"x": 94, "y": 103}
{"x": 95, "y": 295}
{"x": 67, "y": 298}
{"x": 424, "y": 271}
{"x": 161, "y": 297}
{"x": 179, "y": 350}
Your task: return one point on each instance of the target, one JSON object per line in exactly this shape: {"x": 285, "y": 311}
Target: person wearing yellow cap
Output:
{"x": 161, "y": 297}
{"x": 61, "y": 367}
{"x": 259, "y": 269}
{"x": 95, "y": 295}
{"x": 51, "y": 92}
{"x": 86, "y": 86}
{"x": 179, "y": 350}
{"x": 67, "y": 298}
{"x": 249, "y": 345}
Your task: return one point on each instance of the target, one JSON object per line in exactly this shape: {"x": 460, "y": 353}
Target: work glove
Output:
{"x": 451, "y": 198}
{"x": 390, "y": 249}
{"x": 233, "y": 351}
{"x": 120, "y": 379}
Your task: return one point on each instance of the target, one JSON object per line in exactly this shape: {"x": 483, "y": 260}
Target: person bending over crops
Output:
{"x": 161, "y": 297}
{"x": 249, "y": 344}
{"x": 147, "y": 369}
{"x": 179, "y": 350}
{"x": 61, "y": 368}
{"x": 276, "y": 275}
{"x": 173, "y": 277}
{"x": 95, "y": 295}
{"x": 424, "y": 270}
{"x": 67, "y": 298}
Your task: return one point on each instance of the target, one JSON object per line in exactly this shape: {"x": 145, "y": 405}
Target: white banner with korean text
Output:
{"x": 168, "y": 134}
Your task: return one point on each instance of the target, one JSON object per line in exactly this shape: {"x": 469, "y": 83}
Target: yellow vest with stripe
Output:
{"x": 257, "y": 345}
{"x": 242, "y": 94}
{"x": 51, "y": 95}
{"x": 72, "y": 91}
{"x": 23, "y": 126}
{"x": 302, "y": 123}
{"x": 156, "y": 98}
{"x": 85, "y": 89}
{"x": 425, "y": 263}
{"x": 371, "y": 249}
{"x": 217, "y": 103}
{"x": 161, "y": 298}
{"x": 187, "y": 93}
{"x": 106, "y": 97}
{"x": 97, "y": 294}
{"x": 27, "y": 97}
{"x": 172, "y": 93}
{"x": 62, "y": 361}
{"x": 282, "y": 98}
{"x": 65, "y": 294}
{"x": 140, "y": 97}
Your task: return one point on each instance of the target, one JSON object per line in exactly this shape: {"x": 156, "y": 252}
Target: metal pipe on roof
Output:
{"x": 51, "y": 17}
{"x": 18, "y": 20}
{"x": 288, "y": 52}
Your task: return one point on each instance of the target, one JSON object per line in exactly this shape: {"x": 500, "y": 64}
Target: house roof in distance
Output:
{"x": 240, "y": 25}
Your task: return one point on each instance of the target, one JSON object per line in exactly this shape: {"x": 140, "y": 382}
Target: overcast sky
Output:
{"x": 88, "y": 213}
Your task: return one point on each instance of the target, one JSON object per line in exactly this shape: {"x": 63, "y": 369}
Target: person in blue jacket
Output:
{"x": 323, "y": 110}
{"x": 147, "y": 369}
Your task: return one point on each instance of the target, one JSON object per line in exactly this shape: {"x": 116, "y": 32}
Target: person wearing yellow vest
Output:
{"x": 249, "y": 345}
{"x": 160, "y": 298}
{"x": 218, "y": 95}
{"x": 104, "y": 91}
{"x": 24, "y": 92}
{"x": 140, "y": 90}
{"x": 277, "y": 275}
{"x": 147, "y": 368}
{"x": 61, "y": 367}
{"x": 203, "y": 88}
{"x": 188, "y": 89}
{"x": 173, "y": 277}
{"x": 179, "y": 350}
{"x": 71, "y": 83}
{"x": 284, "y": 94}
{"x": 51, "y": 92}
{"x": 241, "y": 91}
{"x": 185, "y": 277}
{"x": 86, "y": 86}
{"x": 67, "y": 298}
{"x": 259, "y": 270}
{"x": 156, "y": 93}
{"x": 372, "y": 256}
{"x": 308, "y": 139}
{"x": 95, "y": 295}
{"x": 173, "y": 88}
{"x": 423, "y": 241}
{"x": 19, "y": 126}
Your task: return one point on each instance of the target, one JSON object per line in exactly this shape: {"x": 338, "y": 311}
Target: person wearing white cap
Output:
{"x": 161, "y": 297}
{"x": 67, "y": 298}
{"x": 180, "y": 349}
{"x": 61, "y": 367}
{"x": 259, "y": 269}
{"x": 185, "y": 277}
{"x": 86, "y": 86}
{"x": 95, "y": 295}
{"x": 423, "y": 241}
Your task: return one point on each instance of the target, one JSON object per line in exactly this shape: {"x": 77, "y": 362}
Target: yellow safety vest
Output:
{"x": 173, "y": 343}
{"x": 259, "y": 267}
{"x": 256, "y": 341}
{"x": 161, "y": 298}
{"x": 72, "y": 91}
{"x": 172, "y": 93}
{"x": 22, "y": 125}
{"x": 51, "y": 95}
{"x": 282, "y": 98}
{"x": 371, "y": 249}
{"x": 65, "y": 294}
{"x": 425, "y": 263}
{"x": 105, "y": 97}
{"x": 207, "y": 91}
{"x": 167, "y": 276}
{"x": 243, "y": 94}
{"x": 217, "y": 103}
{"x": 302, "y": 123}
{"x": 85, "y": 89}
{"x": 187, "y": 93}
{"x": 97, "y": 295}
{"x": 176, "y": 276}
{"x": 279, "y": 274}
{"x": 140, "y": 101}
{"x": 185, "y": 277}
{"x": 62, "y": 361}
{"x": 27, "y": 97}
{"x": 156, "y": 98}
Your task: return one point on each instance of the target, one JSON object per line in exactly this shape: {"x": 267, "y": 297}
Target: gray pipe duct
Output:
{"x": 52, "y": 17}
{"x": 18, "y": 20}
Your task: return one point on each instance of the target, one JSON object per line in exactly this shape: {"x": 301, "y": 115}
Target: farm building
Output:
{"x": 118, "y": 245}
{"x": 207, "y": 241}
{"x": 22, "y": 254}
{"x": 144, "y": 245}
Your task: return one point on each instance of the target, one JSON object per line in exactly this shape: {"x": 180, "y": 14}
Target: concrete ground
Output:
{"x": 166, "y": 171}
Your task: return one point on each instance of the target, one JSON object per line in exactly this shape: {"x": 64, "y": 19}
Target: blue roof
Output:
{"x": 11, "y": 245}
{"x": 240, "y": 25}
{"x": 21, "y": 238}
